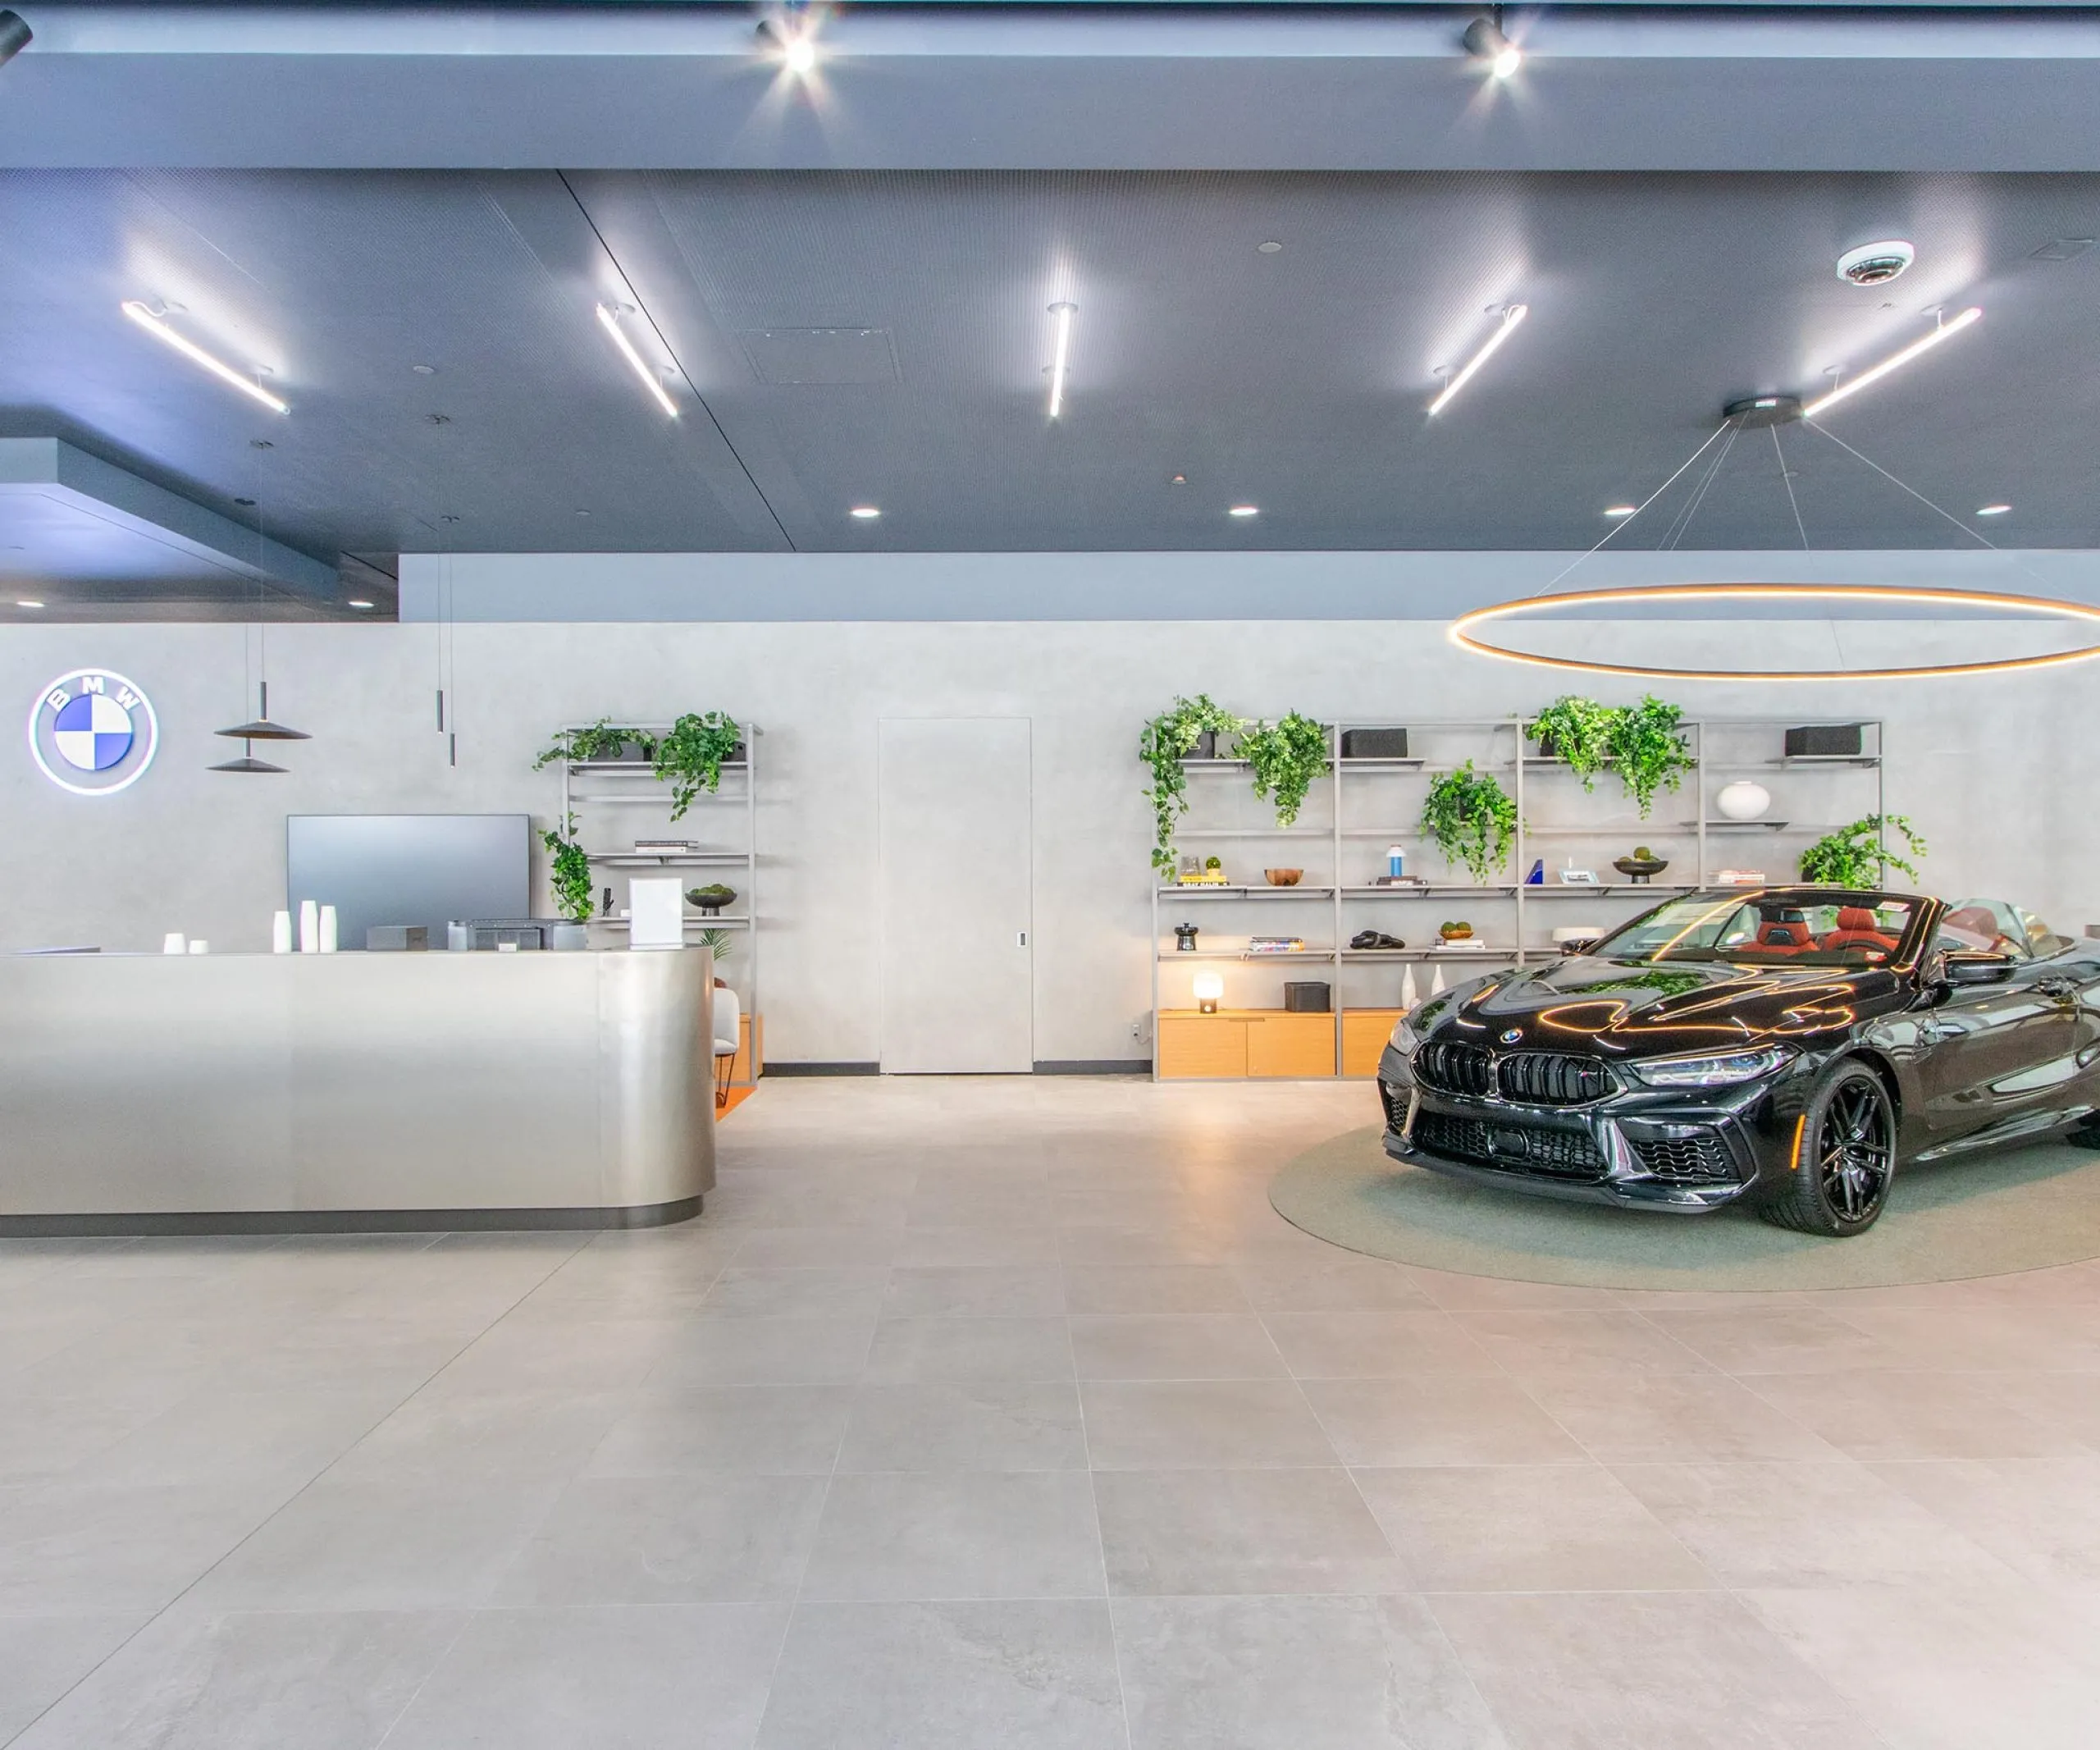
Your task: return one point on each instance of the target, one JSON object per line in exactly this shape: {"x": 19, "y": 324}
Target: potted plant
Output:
{"x": 1858, "y": 855}
{"x": 1650, "y": 753}
{"x": 568, "y": 873}
{"x": 1472, "y": 820}
{"x": 1286, "y": 756}
{"x": 722, "y": 942}
{"x": 598, "y": 741}
{"x": 1578, "y": 730}
{"x": 1167, "y": 740}
{"x": 690, "y": 756}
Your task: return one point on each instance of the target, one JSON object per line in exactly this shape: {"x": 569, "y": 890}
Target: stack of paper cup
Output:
{"x": 280, "y": 933}
{"x": 174, "y": 943}
{"x": 309, "y": 927}
{"x": 327, "y": 930}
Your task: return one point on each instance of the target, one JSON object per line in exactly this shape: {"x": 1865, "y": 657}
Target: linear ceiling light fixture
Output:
{"x": 1062, "y": 314}
{"x": 1485, "y": 43}
{"x": 1895, "y": 361}
{"x": 1463, "y": 629}
{"x": 196, "y": 355}
{"x": 1512, "y": 315}
{"x": 610, "y": 316}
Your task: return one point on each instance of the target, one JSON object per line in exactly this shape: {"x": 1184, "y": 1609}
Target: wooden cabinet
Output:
{"x": 1281, "y": 1043}
{"x": 1364, "y": 1033}
{"x": 1240, "y": 1042}
{"x": 1210, "y": 1046}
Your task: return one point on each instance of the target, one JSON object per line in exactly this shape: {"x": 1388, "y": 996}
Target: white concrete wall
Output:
{"x": 1997, "y": 772}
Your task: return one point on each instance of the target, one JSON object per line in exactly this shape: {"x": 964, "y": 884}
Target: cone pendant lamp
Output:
{"x": 259, "y": 729}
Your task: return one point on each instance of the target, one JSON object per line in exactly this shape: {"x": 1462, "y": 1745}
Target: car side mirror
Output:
{"x": 1965, "y": 967}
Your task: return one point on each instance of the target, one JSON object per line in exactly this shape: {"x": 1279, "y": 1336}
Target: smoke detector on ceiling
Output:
{"x": 1875, "y": 263}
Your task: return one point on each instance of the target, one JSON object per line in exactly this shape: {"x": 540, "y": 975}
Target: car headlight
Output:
{"x": 1405, "y": 1039}
{"x": 1710, "y": 1069}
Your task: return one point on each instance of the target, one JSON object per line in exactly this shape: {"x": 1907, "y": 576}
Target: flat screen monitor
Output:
{"x": 408, "y": 868}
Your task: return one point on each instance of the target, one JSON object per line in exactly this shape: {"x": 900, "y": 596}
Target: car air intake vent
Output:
{"x": 1532, "y": 1149}
{"x": 1553, "y": 1078}
{"x": 1455, "y": 1068}
{"x": 1704, "y": 1157}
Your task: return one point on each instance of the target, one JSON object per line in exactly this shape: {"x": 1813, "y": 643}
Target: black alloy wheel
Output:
{"x": 1847, "y": 1158}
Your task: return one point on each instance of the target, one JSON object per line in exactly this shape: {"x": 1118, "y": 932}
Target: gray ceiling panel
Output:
{"x": 1296, "y": 380}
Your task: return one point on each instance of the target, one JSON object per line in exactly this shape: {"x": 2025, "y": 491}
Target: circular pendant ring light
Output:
{"x": 1463, "y": 629}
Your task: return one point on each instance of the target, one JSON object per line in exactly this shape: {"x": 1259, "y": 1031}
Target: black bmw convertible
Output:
{"x": 1791, "y": 1046}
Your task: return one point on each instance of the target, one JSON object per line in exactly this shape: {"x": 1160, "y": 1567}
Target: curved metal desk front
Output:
{"x": 238, "y": 1093}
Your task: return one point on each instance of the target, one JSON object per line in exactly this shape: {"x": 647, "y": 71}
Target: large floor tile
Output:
{"x": 980, "y": 1290}
{"x": 2040, "y": 1517}
{"x": 1438, "y": 1419}
{"x": 1158, "y": 1288}
{"x": 1537, "y": 1344}
{"x": 1377, "y": 1345}
{"x": 921, "y": 1350}
{"x": 118, "y": 1547}
{"x": 1242, "y": 1531}
{"x": 837, "y": 1291}
{"x": 1913, "y": 1415}
{"x": 42, "y": 1658}
{"x": 1294, "y": 1673}
{"x": 1329, "y": 1281}
{"x": 953, "y": 1675}
{"x": 703, "y": 1539}
{"x": 396, "y": 1545}
{"x": 1136, "y": 1425}
{"x": 1642, "y": 1671}
{"x": 1174, "y": 1345}
{"x": 1815, "y": 1525}
{"x": 957, "y": 1534}
{"x": 197, "y": 1680}
{"x": 778, "y": 1429}
{"x": 1637, "y": 1416}
{"x": 763, "y": 1352}
{"x": 692, "y": 1675}
{"x": 974, "y": 1425}
{"x": 1508, "y": 1528}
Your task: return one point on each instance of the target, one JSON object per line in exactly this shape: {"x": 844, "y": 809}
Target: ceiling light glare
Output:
{"x": 1062, "y": 314}
{"x": 1515, "y": 313}
{"x": 1993, "y": 510}
{"x": 29, "y": 604}
{"x": 866, "y": 513}
{"x": 196, "y": 355}
{"x": 610, "y": 317}
{"x": 358, "y": 603}
{"x": 1895, "y": 361}
{"x": 15, "y": 36}
{"x": 1244, "y": 511}
{"x": 1620, "y": 510}
{"x": 1486, "y": 44}
{"x": 794, "y": 45}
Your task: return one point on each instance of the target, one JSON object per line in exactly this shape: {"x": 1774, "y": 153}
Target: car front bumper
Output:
{"x": 1683, "y": 1152}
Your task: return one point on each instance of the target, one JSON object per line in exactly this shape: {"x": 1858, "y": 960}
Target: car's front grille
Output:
{"x": 1532, "y": 1078}
{"x": 1704, "y": 1157}
{"x": 1455, "y": 1068}
{"x": 1535, "y": 1148}
{"x": 1553, "y": 1078}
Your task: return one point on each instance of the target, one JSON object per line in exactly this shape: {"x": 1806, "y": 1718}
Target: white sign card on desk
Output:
{"x": 657, "y": 912}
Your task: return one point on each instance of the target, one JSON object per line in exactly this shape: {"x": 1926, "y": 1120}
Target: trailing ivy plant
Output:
{"x": 689, "y": 758}
{"x": 1650, "y": 753}
{"x": 1581, "y": 732}
{"x": 599, "y": 741}
{"x": 568, "y": 873}
{"x": 1472, "y": 820}
{"x": 1855, "y": 856}
{"x": 1167, "y": 740}
{"x": 1286, "y": 757}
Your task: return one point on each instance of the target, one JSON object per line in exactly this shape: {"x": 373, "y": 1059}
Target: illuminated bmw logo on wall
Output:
{"x": 94, "y": 732}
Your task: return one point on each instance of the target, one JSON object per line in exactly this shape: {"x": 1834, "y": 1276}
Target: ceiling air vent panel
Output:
{"x": 814, "y": 357}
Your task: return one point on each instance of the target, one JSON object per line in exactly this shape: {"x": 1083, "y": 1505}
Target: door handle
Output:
{"x": 1020, "y": 938}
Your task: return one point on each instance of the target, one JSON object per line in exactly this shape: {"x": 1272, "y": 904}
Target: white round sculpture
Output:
{"x": 1743, "y": 800}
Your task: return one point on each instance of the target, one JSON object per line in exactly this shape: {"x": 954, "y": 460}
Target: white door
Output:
{"x": 958, "y": 985}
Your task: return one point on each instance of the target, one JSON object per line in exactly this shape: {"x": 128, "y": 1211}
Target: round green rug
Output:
{"x": 1986, "y": 1215}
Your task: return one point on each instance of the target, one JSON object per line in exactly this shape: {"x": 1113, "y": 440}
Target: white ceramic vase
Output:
{"x": 1742, "y": 800}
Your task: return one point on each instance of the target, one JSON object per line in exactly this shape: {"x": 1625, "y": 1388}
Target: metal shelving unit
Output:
{"x": 724, "y": 822}
{"x": 1722, "y": 748}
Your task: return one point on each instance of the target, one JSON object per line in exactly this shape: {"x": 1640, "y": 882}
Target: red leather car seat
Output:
{"x": 1783, "y": 938}
{"x": 1857, "y": 927}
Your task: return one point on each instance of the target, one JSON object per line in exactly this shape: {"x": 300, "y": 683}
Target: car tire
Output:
{"x": 1837, "y": 1183}
{"x": 2086, "y": 1135}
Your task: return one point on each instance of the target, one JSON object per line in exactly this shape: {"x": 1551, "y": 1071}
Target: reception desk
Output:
{"x": 234, "y": 1093}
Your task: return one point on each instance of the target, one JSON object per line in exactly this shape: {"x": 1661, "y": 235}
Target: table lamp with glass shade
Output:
{"x": 1209, "y": 986}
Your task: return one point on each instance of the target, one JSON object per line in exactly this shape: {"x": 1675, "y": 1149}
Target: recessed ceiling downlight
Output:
{"x": 1244, "y": 511}
{"x": 1875, "y": 263}
{"x": 867, "y": 513}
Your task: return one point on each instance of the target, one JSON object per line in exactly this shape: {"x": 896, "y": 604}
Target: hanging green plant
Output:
{"x": 1286, "y": 757}
{"x": 1578, "y": 730}
{"x": 1650, "y": 753}
{"x": 689, "y": 758}
{"x": 1472, "y": 820}
{"x": 601, "y": 740}
{"x": 568, "y": 873}
{"x": 1858, "y": 856}
{"x": 1167, "y": 740}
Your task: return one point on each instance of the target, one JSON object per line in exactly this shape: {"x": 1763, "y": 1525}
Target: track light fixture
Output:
{"x": 15, "y": 35}
{"x": 1486, "y": 43}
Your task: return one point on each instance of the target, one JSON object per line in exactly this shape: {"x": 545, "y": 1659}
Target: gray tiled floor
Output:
{"x": 982, "y": 1413}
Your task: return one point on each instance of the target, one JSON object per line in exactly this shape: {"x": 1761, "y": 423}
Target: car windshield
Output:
{"x": 1992, "y": 926}
{"x": 1763, "y": 929}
